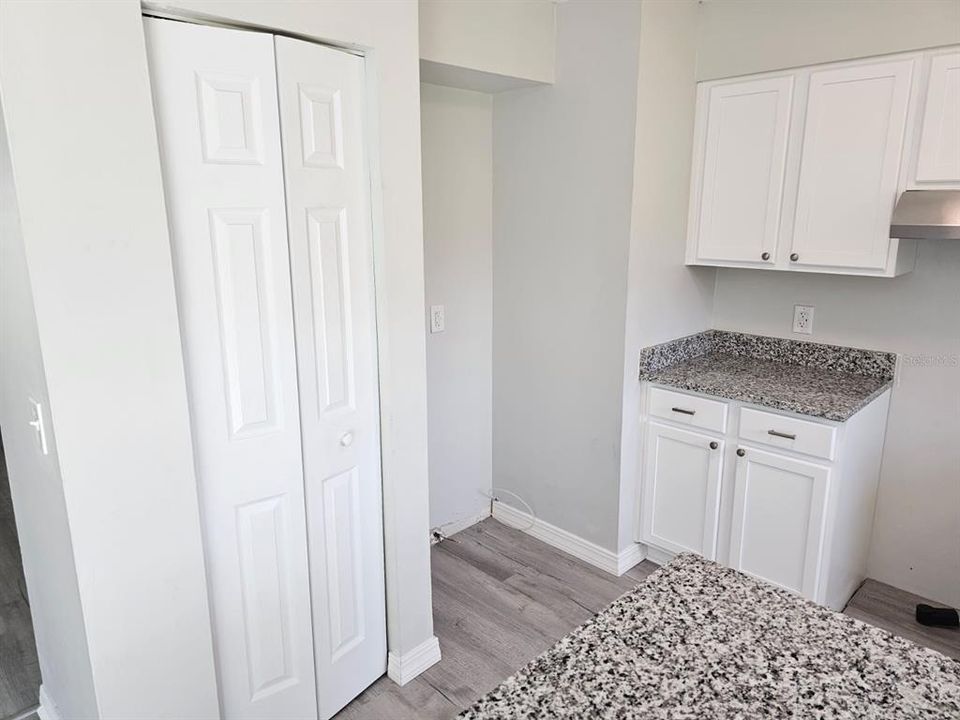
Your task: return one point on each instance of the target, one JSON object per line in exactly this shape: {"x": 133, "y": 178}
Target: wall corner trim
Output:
{"x": 404, "y": 668}
{"x": 615, "y": 563}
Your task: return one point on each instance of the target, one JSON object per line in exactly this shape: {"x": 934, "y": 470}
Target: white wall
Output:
{"x": 916, "y": 540}
{"x": 77, "y": 100}
{"x": 747, "y": 36}
{"x": 563, "y": 173}
{"x": 484, "y": 44}
{"x": 457, "y": 140}
{"x": 35, "y": 482}
{"x": 665, "y": 299}
{"x": 84, "y": 152}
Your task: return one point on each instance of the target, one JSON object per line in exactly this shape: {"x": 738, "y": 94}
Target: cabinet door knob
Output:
{"x": 741, "y": 452}
{"x": 714, "y": 445}
{"x": 794, "y": 257}
{"x": 765, "y": 256}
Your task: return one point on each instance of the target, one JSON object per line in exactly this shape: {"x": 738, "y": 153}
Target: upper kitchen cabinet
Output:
{"x": 741, "y": 144}
{"x": 800, "y": 170}
{"x": 938, "y": 153}
{"x": 853, "y": 138}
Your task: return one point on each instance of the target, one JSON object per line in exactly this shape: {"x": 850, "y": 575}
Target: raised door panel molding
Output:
{"x": 246, "y": 309}
{"x": 739, "y": 170}
{"x": 321, "y": 123}
{"x": 230, "y": 125}
{"x": 261, "y": 538}
{"x": 681, "y": 490}
{"x": 849, "y": 168}
{"x": 778, "y": 520}
{"x": 332, "y": 314}
{"x": 938, "y": 160}
{"x": 341, "y": 509}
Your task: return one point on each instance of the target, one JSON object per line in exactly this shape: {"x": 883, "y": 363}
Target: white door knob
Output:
{"x": 346, "y": 439}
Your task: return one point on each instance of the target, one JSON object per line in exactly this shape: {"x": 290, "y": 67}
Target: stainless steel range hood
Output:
{"x": 927, "y": 215}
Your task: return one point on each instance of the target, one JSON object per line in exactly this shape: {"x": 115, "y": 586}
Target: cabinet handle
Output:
{"x": 794, "y": 257}
{"x": 777, "y": 433}
{"x": 741, "y": 452}
{"x": 765, "y": 256}
{"x": 684, "y": 411}
{"x": 714, "y": 445}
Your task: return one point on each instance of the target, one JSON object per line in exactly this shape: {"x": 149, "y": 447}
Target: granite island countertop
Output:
{"x": 825, "y": 381}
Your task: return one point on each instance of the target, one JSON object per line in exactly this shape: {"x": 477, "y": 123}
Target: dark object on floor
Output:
{"x": 937, "y": 617}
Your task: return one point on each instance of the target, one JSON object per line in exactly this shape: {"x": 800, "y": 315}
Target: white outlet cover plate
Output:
{"x": 436, "y": 319}
{"x": 803, "y": 319}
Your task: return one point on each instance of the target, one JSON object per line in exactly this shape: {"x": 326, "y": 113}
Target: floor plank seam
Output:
{"x": 440, "y": 690}
{"x": 545, "y": 573}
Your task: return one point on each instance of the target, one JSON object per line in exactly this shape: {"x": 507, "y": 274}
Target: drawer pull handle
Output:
{"x": 684, "y": 411}
{"x": 777, "y": 433}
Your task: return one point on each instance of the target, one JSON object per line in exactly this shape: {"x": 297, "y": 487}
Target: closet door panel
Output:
{"x": 329, "y": 216}
{"x": 216, "y": 105}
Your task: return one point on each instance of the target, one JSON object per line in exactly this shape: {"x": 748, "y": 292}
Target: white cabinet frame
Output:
{"x": 844, "y": 481}
{"x": 811, "y": 549}
{"x": 658, "y": 517}
{"x": 795, "y": 244}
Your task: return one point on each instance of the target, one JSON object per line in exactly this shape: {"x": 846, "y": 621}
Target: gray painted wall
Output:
{"x": 457, "y": 146}
{"x": 665, "y": 299}
{"x": 563, "y": 177}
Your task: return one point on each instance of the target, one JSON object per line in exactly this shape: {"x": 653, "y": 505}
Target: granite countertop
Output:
{"x": 697, "y": 640}
{"x": 824, "y": 381}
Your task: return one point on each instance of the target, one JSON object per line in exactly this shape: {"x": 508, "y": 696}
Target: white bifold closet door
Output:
{"x": 275, "y": 296}
{"x": 331, "y": 250}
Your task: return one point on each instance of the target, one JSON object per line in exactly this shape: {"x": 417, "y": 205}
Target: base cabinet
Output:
{"x": 778, "y": 519}
{"x": 682, "y": 495}
{"x": 785, "y": 498}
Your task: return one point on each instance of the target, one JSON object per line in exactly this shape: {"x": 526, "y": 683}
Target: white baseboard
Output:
{"x": 404, "y": 668}
{"x": 607, "y": 560}
{"x": 48, "y": 709}
{"x": 630, "y": 556}
{"x": 658, "y": 556}
{"x": 455, "y": 526}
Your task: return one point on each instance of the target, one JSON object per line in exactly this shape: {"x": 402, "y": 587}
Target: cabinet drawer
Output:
{"x": 789, "y": 433}
{"x": 688, "y": 409}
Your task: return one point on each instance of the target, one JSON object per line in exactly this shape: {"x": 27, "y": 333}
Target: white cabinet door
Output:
{"x": 849, "y": 168}
{"x": 331, "y": 249}
{"x": 216, "y": 104}
{"x": 938, "y": 160}
{"x": 681, "y": 490}
{"x": 778, "y": 519}
{"x": 739, "y": 170}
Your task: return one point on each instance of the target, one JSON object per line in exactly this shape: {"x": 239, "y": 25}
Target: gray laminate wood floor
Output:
{"x": 19, "y": 668}
{"x": 501, "y": 598}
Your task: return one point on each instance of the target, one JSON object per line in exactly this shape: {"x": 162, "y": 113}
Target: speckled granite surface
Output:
{"x": 826, "y": 381}
{"x": 697, "y": 640}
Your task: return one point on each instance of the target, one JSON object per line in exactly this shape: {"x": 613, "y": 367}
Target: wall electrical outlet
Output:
{"x": 436, "y": 319}
{"x": 803, "y": 319}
